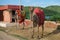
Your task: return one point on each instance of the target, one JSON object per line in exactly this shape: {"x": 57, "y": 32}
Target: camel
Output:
{"x": 38, "y": 20}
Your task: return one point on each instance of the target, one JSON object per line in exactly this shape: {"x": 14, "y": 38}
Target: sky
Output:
{"x": 41, "y": 3}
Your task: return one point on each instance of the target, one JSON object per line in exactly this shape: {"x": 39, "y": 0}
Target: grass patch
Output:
{"x": 2, "y": 29}
{"x": 20, "y": 37}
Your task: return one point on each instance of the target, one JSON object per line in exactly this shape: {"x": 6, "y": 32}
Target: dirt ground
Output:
{"x": 4, "y": 36}
{"x": 50, "y": 33}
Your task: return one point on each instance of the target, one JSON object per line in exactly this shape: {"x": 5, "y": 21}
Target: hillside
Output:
{"x": 53, "y": 12}
{"x": 54, "y": 8}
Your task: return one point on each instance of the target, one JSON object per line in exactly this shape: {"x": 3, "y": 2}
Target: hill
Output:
{"x": 54, "y": 8}
{"x": 53, "y": 12}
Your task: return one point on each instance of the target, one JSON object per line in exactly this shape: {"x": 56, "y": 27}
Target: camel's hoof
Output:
{"x": 22, "y": 28}
{"x": 41, "y": 36}
{"x": 38, "y": 37}
{"x": 32, "y": 37}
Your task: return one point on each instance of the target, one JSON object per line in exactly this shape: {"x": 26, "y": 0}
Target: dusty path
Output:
{"x": 53, "y": 36}
{"x": 50, "y": 32}
{"x": 4, "y": 36}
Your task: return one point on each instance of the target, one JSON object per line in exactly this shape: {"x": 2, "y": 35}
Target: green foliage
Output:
{"x": 27, "y": 12}
{"x": 53, "y": 12}
{"x": 54, "y": 8}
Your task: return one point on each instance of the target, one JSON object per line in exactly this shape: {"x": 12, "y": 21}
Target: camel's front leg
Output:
{"x": 42, "y": 30}
{"x": 38, "y": 33}
{"x": 33, "y": 33}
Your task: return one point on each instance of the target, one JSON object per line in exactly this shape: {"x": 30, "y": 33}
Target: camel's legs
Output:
{"x": 33, "y": 32}
{"x": 38, "y": 32}
{"x": 42, "y": 30}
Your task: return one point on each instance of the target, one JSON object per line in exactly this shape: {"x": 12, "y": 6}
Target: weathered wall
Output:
{"x": 7, "y": 16}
